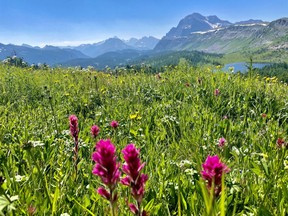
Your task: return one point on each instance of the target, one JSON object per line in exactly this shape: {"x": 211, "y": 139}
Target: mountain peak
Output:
{"x": 279, "y": 23}
{"x": 196, "y": 22}
{"x": 195, "y": 16}
{"x": 144, "y": 43}
{"x": 250, "y": 21}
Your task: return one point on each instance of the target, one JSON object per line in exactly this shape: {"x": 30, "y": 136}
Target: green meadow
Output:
{"x": 174, "y": 118}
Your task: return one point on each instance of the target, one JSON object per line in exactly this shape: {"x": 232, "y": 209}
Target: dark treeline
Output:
{"x": 279, "y": 70}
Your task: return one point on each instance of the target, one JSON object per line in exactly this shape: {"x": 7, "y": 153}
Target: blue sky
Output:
{"x": 72, "y": 22}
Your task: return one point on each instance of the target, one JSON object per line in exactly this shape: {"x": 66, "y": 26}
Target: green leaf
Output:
{"x": 3, "y": 203}
{"x": 91, "y": 213}
{"x": 55, "y": 198}
{"x": 183, "y": 201}
{"x": 223, "y": 198}
{"x": 133, "y": 132}
{"x": 149, "y": 205}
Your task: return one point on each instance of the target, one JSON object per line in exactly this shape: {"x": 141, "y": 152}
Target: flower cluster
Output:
{"x": 212, "y": 172}
{"x": 106, "y": 168}
{"x": 114, "y": 124}
{"x": 280, "y": 142}
{"x": 95, "y": 130}
{"x": 74, "y": 130}
{"x": 221, "y": 142}
{"x": 216, "y": 92}
{"x": 134, "y": 178}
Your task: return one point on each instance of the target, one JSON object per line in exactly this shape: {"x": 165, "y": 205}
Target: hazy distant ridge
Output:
{"x": 116, "y": 44}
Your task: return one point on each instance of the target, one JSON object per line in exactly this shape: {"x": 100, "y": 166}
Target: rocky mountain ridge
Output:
{"x": 225, "y": 37}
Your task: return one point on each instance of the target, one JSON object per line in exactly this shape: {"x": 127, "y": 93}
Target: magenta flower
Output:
{"x": 216, "y": 92}
{"x": 106, "y": 168}
{"x": 280, "y": 142}
{"x": 74, "y": 130}
{"x": 221, "y": 142}
{"x": 95, "y": 131}
{"x": 133, "y": 208}
{"x": 114, "y": 124}
{"x": 134, "y": 179}
{"x": 212, "y": 172}
{"x": 104, "y": 193}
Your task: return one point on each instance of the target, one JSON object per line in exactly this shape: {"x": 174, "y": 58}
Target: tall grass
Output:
{"x": 174, "y": 118}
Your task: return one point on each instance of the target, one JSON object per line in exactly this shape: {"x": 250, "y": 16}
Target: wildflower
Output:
{"x": 225, "y": 117}
{"x": 133, "y": 208}
{"x": 221, "y": 142}
{"x": 114, "y": 124}
{"x": 212, "y": 172}
{"x": 280, "y": 142}
{"x": 104, "y": 193}
{"x": 74, "y": 130}
{"x": 107, "y": 169}
{"x": 134, "y": 178}
{"x": 263, "y": 115}
{"x": 216, "y": 92}
{"x": 135, "y": 116}
{"x": 31, "y": 210}
{"x": 95, "y": 131}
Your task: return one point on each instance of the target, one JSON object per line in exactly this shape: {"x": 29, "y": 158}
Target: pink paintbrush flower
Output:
{"x": 221, "y": 142}
{"x": 95, "y": 130}
{"x": 74, "y": 130}
{"x": 212, "y": 172}
{"x": 134, "y": 178}
{"x": 216, "y": 92}
{"x": 114, "y": 124}
{"x": 106, "y": 168}
{"x": 280, "y": 142}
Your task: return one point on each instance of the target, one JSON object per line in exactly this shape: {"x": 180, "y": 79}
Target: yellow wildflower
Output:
{"x": 135, "y": 116}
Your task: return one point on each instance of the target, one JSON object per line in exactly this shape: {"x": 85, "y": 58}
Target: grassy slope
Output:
{"x": 257, "y": 55}
{"x": 180, "y": 125}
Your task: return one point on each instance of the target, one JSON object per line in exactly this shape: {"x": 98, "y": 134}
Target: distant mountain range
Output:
{"x": 116, "y": 44}
{"x": 34, "y": 55}
{"x": 197, "y": 32}
{"x": 52, "y": 55}
{"x": 194, "y": 32}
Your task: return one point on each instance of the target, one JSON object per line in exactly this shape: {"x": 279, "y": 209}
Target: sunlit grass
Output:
{"x": 176, "y": 120}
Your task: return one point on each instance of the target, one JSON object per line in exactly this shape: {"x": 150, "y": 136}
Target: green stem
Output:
{"x": 112, "y": 203}
{"x": 139, "y": 208}
{"x": 76, "y": 157}
{"x": 275, "y": 179}
{"x": 41, "y": 175}
{"x": 54, "y": 115}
